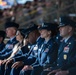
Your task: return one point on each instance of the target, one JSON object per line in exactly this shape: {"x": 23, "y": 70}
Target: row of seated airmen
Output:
{"x": 49, "y": 49}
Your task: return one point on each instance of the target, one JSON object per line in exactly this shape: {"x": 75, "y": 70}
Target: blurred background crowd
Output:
{"x": 26, "y": 12}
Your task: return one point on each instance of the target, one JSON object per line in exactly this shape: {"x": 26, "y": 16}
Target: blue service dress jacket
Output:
{"x": 29, "y": 57}
{"x": 2, "y": 45}
{"x": 22, "y": 51}
{"x": 47, "y": 54}
{"x": 32, "y": 54}
{"x": 66, "y": 54}
{"x": 6, "y": 52}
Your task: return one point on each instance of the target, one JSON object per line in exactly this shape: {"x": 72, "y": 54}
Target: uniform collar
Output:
{"x": 46, "y": 41}
{"x": 65, "y": 40}
{"x": 11, "y": 39}
{"x": 68, "y": 39}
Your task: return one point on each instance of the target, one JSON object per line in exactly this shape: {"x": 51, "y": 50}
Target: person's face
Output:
{"x": 31, "y": 37}
{"x": 44, "y": 33}
{"x": 19, "y": 36}
{"x": 65, "y": 30}
{"x": 11, "y": 31}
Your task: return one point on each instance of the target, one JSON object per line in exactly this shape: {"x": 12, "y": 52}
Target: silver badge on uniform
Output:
{"x": 40, "y": 49}
{"x": 36, "y": 47}
{"x": 29, "y": 47}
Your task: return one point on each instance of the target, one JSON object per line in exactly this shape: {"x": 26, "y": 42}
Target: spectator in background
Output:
{"x": 27, "y": 10}
{"x": 9, "y": 14}
{"x": 1, "y": 13}
{"x": 40, "y": 8}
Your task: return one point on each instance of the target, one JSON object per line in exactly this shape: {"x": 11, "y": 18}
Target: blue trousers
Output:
{"x": 15, "y": 71}
{"x": 25, "y": 72}
{"x": 8, "y": 69}
{"x": 2, "y": 69}
{"x": 46, "y": 72}
{"x": 37, "y": 70}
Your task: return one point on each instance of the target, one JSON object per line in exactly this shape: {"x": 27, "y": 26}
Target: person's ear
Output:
{"x": 49, "y": 32}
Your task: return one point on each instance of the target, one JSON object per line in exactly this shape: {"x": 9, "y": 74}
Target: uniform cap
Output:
{"x": 48, "y": 26}
{"x": 65, "y": 20}
{"x": 28, "y": 30}
{"x": 11, "y": 24}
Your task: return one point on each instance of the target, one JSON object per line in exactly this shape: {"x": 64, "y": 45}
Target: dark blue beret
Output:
{"x": 2, "y": 33}
{"x": 11, "y": 24}
{"x": 65, "y": 20}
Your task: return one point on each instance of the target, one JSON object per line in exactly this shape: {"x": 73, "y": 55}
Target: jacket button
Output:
{"x": 58, "y": 58}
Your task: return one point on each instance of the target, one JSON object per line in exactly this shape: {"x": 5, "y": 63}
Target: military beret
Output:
{"x": 65, "y": 20}
{"x": 11, "y": 24}
{"x": 2, "y": 33}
